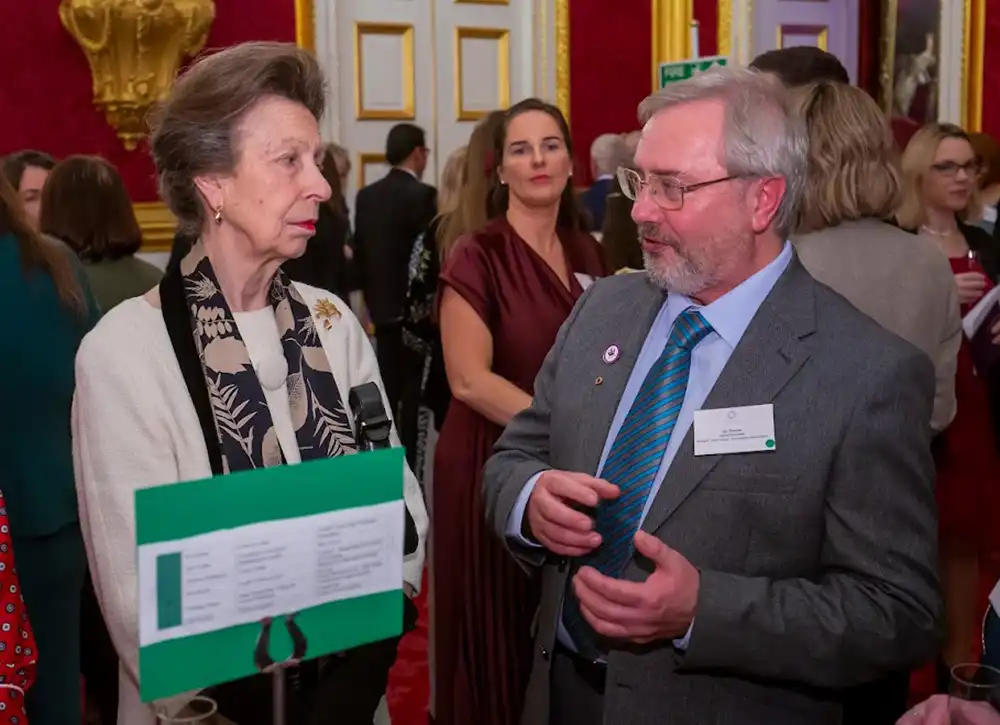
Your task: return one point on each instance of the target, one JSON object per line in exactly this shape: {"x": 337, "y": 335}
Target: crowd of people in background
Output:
{"x": 824, "y": 572}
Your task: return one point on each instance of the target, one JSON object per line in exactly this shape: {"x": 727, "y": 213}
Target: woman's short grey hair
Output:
{"x": 195, "y": 131}
{"x": 763, "y": 136}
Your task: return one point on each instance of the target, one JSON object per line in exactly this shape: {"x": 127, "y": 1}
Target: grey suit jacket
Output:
{"x": 900, "y": 280}
{"x": 817, "y": 560}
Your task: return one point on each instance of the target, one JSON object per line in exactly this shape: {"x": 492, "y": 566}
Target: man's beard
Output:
{"x": 697, "y": 267}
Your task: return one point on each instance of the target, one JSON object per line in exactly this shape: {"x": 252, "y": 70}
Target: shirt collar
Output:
{"x": 406, "y": 170}
{"x": 731, "y": 314}
{"x": 604, "y": 177}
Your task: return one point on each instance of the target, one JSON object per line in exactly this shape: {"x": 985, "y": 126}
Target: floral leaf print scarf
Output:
{"x": 243, "y": 422}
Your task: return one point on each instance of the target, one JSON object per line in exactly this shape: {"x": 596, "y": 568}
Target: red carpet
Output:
{"x": 408, "y": 692}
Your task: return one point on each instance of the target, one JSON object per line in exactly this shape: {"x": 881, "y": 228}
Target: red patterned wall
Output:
{"x": 706, "y": 12}
{"x": 611, "y": 59}
{"x": 45, "y": 94}
{"x": 991, "y": 70}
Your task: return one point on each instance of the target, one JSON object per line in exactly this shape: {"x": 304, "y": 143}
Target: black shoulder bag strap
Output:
{"x": 372, "y": 428}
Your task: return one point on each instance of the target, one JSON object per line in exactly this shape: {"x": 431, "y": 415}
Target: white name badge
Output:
{"x": 734, "y": 430}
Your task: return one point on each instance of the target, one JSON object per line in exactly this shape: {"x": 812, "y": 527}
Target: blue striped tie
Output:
{"x": 634, "y": 460}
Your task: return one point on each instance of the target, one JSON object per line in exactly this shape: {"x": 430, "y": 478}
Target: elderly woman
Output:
{"x": 237, "y": 150}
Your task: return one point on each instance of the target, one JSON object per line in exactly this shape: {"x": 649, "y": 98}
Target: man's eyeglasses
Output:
{"x": 666, "y": 192}
{"x": 951, "y": 168}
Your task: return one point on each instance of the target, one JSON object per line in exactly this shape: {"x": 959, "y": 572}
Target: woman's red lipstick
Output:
{"x": 309, "y": 226}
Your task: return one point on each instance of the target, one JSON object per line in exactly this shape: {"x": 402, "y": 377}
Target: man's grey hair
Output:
{"x": 630, "y": 144}
{"x": 606, "y": 153}
{"x": 762, "y": 135}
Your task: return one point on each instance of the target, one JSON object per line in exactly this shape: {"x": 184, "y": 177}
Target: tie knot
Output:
{"x": 690, "y": 328}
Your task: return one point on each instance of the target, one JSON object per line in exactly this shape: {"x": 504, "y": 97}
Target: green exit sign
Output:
{"x": 684, "y": 69}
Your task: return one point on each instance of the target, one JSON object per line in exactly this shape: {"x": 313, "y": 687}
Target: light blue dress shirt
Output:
{"x": 729, "y": 316}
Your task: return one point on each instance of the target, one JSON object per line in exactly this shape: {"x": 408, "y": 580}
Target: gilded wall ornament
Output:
{"x": 135, "y": 48}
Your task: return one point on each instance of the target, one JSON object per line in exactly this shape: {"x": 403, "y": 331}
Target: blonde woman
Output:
{"x": 940, "y": 202}
{"x": 473, "y": 206}
{"x": 844, "y": 241}
{"x": 842, "y": 238}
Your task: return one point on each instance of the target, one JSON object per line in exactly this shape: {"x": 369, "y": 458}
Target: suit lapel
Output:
{"x": 769, "y": 354}
{"x": 603, "y": 399}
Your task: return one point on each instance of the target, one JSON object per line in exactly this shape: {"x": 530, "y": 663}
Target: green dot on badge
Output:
{"x": 769, "y": 443}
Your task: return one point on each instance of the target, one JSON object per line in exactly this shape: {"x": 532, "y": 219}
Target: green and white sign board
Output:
{"x": 322, "y": 540}
{"x": 684, "y": 69}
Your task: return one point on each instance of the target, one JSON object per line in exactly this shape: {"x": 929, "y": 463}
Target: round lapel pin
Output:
{"x": 611, "y": 354}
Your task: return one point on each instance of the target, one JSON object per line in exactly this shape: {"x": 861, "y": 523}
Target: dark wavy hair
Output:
{"x": 13, "y": 165}
{"x": 570, "y": 216}
{"x": 85, "y": 204}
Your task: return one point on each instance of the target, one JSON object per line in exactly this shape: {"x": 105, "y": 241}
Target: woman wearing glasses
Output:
{"x": 504, "y": 292}
{"x": 940, "y": 201}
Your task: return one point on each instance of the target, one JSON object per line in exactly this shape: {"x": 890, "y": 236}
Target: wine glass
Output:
{"x": 200, "y": 709}
{"x": 973, "y": 258}
{"x": 971, "y": 683}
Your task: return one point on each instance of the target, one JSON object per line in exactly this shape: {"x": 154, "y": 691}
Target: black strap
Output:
{"x": 178, "y": 321}
{"x": 371, "y": 421}
{"x": 373, "y": 428}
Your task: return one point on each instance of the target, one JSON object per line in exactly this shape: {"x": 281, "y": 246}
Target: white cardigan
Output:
{"x": 134, "y": 426}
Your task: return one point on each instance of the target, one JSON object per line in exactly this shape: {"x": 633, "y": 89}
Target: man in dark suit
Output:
{"x": 605, "y": 155}
{"x": 389, "y": 216}
{"x": 724, "y": 478}
{"x": 619, "y": 235}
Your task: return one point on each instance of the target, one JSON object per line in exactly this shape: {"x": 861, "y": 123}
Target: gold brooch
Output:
{"x": 325, "y": 310}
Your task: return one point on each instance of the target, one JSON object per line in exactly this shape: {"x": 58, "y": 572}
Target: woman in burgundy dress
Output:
{"x": 941, "y": 171}
{"x": 504, "y": 292}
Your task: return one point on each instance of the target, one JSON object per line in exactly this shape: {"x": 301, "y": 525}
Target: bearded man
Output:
{"x": 725, "y": 476}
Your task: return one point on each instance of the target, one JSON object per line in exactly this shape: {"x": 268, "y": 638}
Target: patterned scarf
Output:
{"x": 242, "y": 420}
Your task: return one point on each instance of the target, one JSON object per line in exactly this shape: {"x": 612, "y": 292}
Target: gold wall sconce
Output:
{"x": 135, "y": 48}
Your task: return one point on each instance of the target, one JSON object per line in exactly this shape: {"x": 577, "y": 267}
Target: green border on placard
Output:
{"x": 267, "y": 494}
{"x": 193, "y": 663}
{"x": 182, "y": 510}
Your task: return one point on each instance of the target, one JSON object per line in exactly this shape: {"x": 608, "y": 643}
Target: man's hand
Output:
{"x": 662, "y": 607}
{"x": 944, "y": 710}
{"x": 554, "y": 521}
{"x": 995, "y": 331}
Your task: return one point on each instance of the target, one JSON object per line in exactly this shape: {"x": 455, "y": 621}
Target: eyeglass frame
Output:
{"x": 624, "y": 173}
{"x": 971, "y": 168}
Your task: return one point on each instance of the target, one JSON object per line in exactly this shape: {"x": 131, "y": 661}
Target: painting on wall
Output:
{"x": 910, "y": 59}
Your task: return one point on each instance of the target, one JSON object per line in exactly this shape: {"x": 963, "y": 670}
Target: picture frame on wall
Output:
{"x": 910, "y": 60}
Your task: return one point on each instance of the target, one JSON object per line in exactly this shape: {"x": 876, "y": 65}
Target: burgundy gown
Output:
{"x": 968, "y": 464}
{"x": 484, "y": 603}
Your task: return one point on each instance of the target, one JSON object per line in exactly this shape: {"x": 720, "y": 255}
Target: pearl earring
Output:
{"x": 218, "y": 216}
